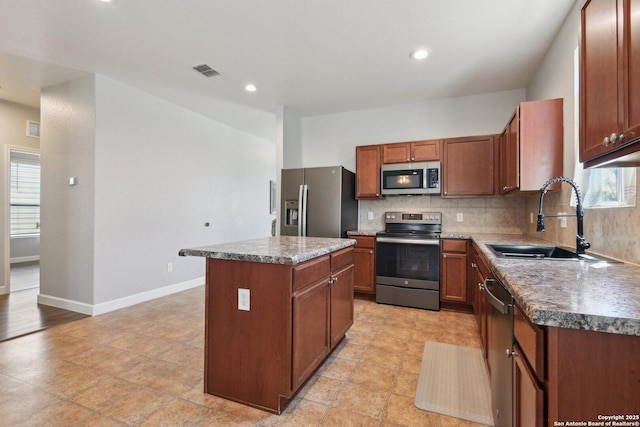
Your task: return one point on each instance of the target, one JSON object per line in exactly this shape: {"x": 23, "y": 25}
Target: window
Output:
{"x": 24, "y": 193}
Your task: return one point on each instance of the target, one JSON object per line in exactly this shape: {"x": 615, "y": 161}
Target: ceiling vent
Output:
{"x": 205, "y": 70}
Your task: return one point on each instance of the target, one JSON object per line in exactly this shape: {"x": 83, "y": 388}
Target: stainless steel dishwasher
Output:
{"x": 500, "y": 352}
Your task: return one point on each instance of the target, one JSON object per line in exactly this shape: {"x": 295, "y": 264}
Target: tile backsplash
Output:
{"x": 479, "y": 215}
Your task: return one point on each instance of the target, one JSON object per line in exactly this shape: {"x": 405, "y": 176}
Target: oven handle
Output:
{"x": 431, "y": 242}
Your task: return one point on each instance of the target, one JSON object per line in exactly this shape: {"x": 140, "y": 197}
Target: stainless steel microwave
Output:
{"x": 410, "y": 178}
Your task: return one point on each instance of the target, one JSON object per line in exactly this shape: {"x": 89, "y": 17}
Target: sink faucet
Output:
{"x": 581, "y": 243}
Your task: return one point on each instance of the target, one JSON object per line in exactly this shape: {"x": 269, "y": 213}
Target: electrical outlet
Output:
{"x": 459, "y": 217}
{"x": 169, "y": 267}
{"x": 370, "y": 216}
{"x": 244, "y": 299}
{"x": 563, "y": 220}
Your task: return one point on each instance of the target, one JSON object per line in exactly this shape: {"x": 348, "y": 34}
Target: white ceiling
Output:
{"x": 312, "y": 56}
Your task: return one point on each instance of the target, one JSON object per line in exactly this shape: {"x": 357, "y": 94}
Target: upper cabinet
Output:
{"x": 415, "y": 151}
{"x": 531, "y": 146}
{"x": 610, "y": 83}
{"x": 368, "y": 171}
{"x": 468, "y": 166}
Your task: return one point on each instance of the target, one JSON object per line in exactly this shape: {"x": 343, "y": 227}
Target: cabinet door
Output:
{"x": 364, "y": 270}
{"x": 424, "y": 151}
{"x": 396, "y": 153}
{"x": 469, "y": 166}
{"x": 599, "y": 66}
{"x": 310, "y": 329}
{"x": 631, "y": 123}
{"x": 368, "y": 172}
{"x": 510, "y": 156}
{"x": 453, "y": 280}
{"x": 528, "y": 403}
{"x": 341, "y": 304}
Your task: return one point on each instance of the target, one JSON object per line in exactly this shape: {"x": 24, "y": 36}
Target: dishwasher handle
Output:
{"x": 500, "y": 305}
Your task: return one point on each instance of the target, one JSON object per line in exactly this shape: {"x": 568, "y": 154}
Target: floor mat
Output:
{"x": 454, "y": 381}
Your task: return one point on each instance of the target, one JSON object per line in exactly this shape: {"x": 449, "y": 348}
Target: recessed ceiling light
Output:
{"x": 419, "y": 54}
{"x": 250, "y": 87}
{"x": 106, "y": 1}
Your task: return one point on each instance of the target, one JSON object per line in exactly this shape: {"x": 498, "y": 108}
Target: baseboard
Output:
{"x": 18, "y": 260}
{"x": 105, "y": 307}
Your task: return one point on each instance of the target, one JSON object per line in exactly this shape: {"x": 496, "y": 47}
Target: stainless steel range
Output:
{"x": 408, "y": 260}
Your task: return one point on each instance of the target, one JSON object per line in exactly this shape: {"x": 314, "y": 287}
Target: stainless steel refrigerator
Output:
{"x": 318, "y": 202}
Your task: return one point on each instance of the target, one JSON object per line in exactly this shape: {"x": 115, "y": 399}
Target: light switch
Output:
{"x": 72, "y": 181}
{"x": 459, "y": 217}
{"x": 370, "y": 216}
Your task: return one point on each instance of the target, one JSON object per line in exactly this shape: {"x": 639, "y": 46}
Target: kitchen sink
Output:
{"x": 545, "y": 252}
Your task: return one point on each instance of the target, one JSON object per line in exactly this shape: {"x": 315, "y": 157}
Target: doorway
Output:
{"x": 24, "y": 220}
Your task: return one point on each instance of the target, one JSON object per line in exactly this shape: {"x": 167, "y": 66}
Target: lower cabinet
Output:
{"x": 364, "y": 261}
{"x": 311, "y": 329}
{"x": 528, "y": 395}
{"x": 453, "y": 273}
{"x": 481, "y": 307}
{"x": 341, "y": 304}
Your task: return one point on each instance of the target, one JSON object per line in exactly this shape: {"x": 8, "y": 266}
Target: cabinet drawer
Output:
{"x": 364, "y": 241}
{"x": 341, "y": 259}
{"x": 311, "y": 271}
{"x": 530, "y": 337}
{"x": 454, "y": 245}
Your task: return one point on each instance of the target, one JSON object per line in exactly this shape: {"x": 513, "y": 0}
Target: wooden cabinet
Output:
{"x": 610, "y": 83}
{"x": 528, "y": 395}
{"x": 528, "y": 391}
{"x": 480, "y": 273}
{"x": 531, "y": 146}
{"x": 311, "y": 330}
{"x": 260, "y": 356}
{"x": 453, "y": 271}
{"x": 368, "y": 159}
{"x": 341, "y": 304}
{"x": 415, "y": 151}
{"x": 364, "y": 262}
{"x": 469, "y": 166}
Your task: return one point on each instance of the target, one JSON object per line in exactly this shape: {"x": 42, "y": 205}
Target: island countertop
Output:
{"x": 287, "y": 250}
{"x": 577, "y": 295}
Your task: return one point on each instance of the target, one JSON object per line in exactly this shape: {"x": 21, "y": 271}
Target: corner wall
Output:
{"x": 149, "y": 175}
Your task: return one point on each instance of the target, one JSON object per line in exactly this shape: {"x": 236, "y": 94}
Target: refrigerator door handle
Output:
{"x": 300, "y": 209}
{"x": 305, "y": 192}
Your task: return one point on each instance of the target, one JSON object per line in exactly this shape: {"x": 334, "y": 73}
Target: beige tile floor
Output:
{"x": 143, "y": 365}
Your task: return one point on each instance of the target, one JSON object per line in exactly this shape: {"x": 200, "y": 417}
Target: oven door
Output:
{"x": 408, "y": 262}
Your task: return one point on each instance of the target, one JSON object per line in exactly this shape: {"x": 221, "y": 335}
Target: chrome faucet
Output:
{"x": 581, "y": 243}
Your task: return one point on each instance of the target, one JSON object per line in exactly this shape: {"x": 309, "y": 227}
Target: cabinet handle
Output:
{"x": 370, "y": 252}
{"x": 613, "y": 138}
{"x": 621, "y": 138}
{"x": 444, "y": 255}
{"x": 606, "y": 141}
{"x": 413, "y": 158}
{"x": 473, "y": 265}
{"x": 331, "y": 281}
{"x": 335, "y": 280}
{"x": 511, "y": 353}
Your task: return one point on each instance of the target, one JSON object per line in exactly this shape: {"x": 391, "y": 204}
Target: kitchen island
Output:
{"x": 275, "y": 308}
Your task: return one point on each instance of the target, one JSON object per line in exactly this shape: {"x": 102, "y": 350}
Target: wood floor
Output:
{"x": 20, "y": 313}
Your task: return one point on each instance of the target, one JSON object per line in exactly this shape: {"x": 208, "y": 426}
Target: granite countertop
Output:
{"x": 288, "y": 250}
{"x": 569, "y": 294}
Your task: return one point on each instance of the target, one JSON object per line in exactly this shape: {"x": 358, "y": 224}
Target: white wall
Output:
{"x": 67, "y": 133}
{"x": 158, "y": 173}
{"x": 331, "y": 139}
{"x": 13, "y": 132}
